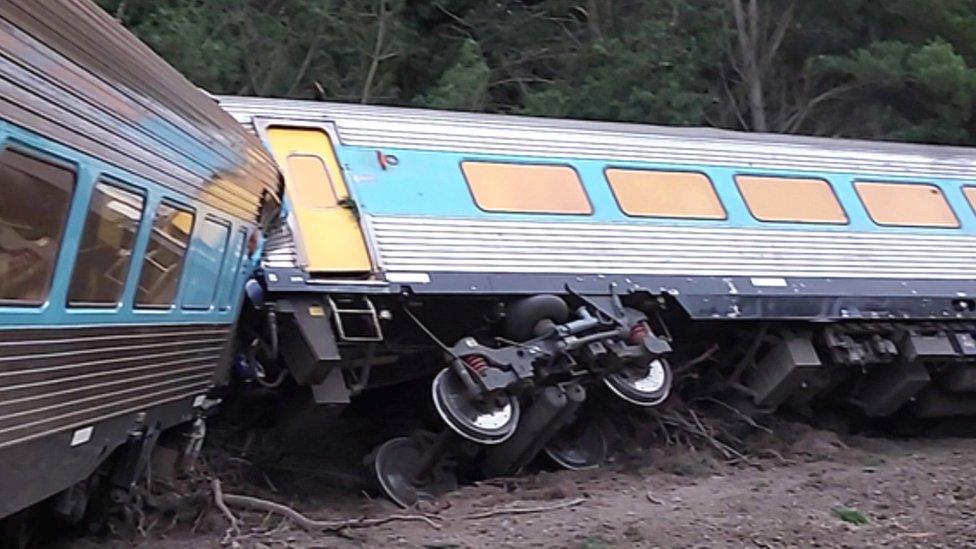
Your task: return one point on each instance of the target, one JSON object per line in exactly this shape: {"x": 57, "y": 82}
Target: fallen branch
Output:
{"x": 676, "y": 372}
{"x": 742, "y": 415}
{"x": 218, "y": 496}
{"x": 696, "y": 428}
{"x": 307, "y": 524}
{"x": 653, "y": 499}
{"x": 777, "y": 455}
{"x": 524, "y": 510}
{"x": 720, "y": 446}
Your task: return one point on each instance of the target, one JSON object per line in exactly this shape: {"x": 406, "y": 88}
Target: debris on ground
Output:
{"x": 797, "y": 486}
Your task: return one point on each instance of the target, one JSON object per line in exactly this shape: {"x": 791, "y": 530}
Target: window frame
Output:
{"x": 942, "y": 193}
{"x": 127, "y": 187}
{"x": 226, "y": 224}
{"x": 72, "y": 167}
{"x": 233, "y": 268}
{"x": 579, "y": 179}
{"x": 711, "y": 184}
{"x": 177, "y": 295}
{"x": 830, "y": 186}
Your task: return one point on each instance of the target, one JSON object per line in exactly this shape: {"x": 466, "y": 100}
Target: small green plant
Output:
{"x": 852, "y": 516}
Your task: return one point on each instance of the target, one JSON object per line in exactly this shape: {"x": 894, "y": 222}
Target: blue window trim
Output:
{"x": 65, "y": 241}
{"x": 127, "y": 187}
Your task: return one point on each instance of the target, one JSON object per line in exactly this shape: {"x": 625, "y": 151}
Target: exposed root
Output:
{"x": 739, "y": 413}
{"x": 219, "y": 501}
{"x": 683, "y": 368}
{"x": 305, "y": 523}
{"x": 773, "y": 453}
{"x": 524, "y": 510}
{"x": 693, "y": 426}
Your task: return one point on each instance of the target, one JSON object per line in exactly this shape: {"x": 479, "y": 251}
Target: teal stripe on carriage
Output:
{"x": 211, "y": 285}
{"x": 431, "y": 184}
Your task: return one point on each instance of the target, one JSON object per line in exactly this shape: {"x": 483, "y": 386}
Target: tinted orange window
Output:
{"x": 789, "y": 199}
{"x": 665, "y": 194}
{"x": 311, "y": 181}
{"x": 525, "y": 188}
{"x": 912, "y": 204}
{"x": 970, "y": 193}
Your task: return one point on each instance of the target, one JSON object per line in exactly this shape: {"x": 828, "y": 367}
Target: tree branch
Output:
{"x": 779, "y": 33}
{"x": 796, "y": 121}
{"x": 303, "y": 68}
{"x": 377, "y": 56}
{"x": 524, "y": 510}
{"x": 310, "y": 525}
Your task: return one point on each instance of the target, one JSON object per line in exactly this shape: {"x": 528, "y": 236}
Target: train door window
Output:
{"x": 787, "y": 199}
{"x": 308, "y": 174}
{"x": 35, "y": 197}
{"x": 647, "y": 193}
{"x": 105, "y": 252}
{"x": 906, "y": 204}
{"x": 234, "y": 267}
{"x": 526, "y": 188}
{"x": 204, "y": 263}
{"x": 165, "y": 255}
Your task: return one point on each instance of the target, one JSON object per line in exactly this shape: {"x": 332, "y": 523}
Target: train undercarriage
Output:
{"x": 512, "y": 379}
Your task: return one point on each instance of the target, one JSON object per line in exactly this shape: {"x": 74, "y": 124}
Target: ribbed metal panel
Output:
{"x": 521, "y": 136}
{"x": 71, "y": 73}
{"x": 280, "y": 251}
{"x": 445, "y": 245}
{"x": 54, "y": 380}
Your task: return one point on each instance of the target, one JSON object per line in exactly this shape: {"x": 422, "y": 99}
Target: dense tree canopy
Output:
{"x": 886, "y": 69}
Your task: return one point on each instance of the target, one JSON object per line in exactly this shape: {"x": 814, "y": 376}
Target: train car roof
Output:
{"x": 73, "y": 74}
{"x": 412, "y": 128}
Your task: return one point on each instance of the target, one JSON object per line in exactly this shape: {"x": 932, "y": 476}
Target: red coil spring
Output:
{"x": 638, "y": 332}
{"x": 477, "y": 363}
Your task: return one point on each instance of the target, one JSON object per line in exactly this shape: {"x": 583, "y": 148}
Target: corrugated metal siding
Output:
{"x": 279, "y": 248}
{"x": 456, "y": 245}
{"x": 371, "y": 126}
{"x": 71, "y": 73}
{"x": 54, "y": 380}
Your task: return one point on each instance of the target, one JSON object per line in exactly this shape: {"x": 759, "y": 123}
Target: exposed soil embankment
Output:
{"x": 804, "y": 487}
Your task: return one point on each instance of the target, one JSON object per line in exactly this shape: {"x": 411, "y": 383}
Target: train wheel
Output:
{"x": 398, "y": 464}
{"x": 488, "y": 421}
{"x": 580, "y": 445}
{"x": 647, "y": 388}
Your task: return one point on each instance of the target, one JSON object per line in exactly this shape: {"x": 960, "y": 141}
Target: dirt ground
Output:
{"x": 802, "y": 487}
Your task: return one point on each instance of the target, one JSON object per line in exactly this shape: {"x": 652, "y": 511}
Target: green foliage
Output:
{"x": 464, "y": 85}
{"x": 852, "y": 516}
{"x": 885, "y": 69}
{"x": 651, "y": 74}
{"x": 908, "y": 92}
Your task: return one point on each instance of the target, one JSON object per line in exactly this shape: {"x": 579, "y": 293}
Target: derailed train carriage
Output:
{"x": 524, "y": 262}
{"x": 130, "y": 209}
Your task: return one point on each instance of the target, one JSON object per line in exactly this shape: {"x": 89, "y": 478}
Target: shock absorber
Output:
{"x": 476, "y": 363}
{"x": 638, "y": 332}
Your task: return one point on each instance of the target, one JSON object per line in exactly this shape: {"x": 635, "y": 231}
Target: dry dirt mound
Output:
{"x": 804, "y": 487}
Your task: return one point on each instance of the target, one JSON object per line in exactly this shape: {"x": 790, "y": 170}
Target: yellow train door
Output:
{"x": 331, "y": 238}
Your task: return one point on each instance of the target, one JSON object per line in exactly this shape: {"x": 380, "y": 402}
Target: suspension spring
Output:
{"x": 476, "y": 363}
{"x": 638, "y": 332}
